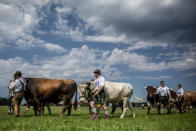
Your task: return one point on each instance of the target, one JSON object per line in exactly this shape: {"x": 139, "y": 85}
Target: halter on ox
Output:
{"x": 89, "y": 96}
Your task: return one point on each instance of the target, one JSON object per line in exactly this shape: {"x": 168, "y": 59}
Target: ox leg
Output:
{"x": 190, "y": 108}
{"x": 158, "y": 108}
{"x": 131, "y": 108}
{"x": 42, "y": 108}
{"x": 35, "y": 109}
{"x": 125, "y": 102}
{"x": 113, "y": 108}
{"x": 65, "y": 106}
{"x": 49, "y": 109}
{"x": 89, "y": 110}
{"x": 121, "y": 106}
{"x": 69, "y": 108}
{"x": 38, "y": 103}
{"x": 149, "y": 106}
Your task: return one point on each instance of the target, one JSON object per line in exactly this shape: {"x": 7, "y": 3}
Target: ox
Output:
{"x": 41, "y": 90}
{"x": 189, "y": 99}
{"x": 115, "y": 93}
{"x": 88, "y": 96}
{"x": 153, "y": 98}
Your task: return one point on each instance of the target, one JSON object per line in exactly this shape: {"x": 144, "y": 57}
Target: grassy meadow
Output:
{"x": 79, "y": 121}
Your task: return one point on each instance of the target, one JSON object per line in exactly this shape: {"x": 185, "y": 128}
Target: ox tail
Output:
{"x": 76, "y": 98}
{"x": 139, "y": 99}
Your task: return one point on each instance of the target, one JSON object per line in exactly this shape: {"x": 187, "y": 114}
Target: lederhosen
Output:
{"x": 100, "y": 98}
{"x": 164, "y": 100}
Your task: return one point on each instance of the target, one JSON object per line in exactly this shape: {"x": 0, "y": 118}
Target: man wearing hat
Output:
{"x": 18, "y": 88}
{"x": 99, "y": 84}
{"x": 180, "y": 98}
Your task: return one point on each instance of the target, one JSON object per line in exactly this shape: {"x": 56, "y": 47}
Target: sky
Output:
{"x": 136, "y": 41}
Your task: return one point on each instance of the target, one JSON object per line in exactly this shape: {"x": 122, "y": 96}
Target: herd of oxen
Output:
{"x": 39, "y": 91}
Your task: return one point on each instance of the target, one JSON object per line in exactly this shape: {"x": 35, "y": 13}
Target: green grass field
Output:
{"x": 79, "y": 120}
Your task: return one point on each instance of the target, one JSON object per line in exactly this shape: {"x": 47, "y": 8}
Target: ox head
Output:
{"x": 10, "y": 84}
{"x": 83, "y": 90}
{"x": 151, "y": 90}
{"x": 173, "y": 94}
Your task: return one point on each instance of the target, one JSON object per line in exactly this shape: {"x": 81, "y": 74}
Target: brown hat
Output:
{"x": 97, "y": 71}
{"x": 18, "y": 73}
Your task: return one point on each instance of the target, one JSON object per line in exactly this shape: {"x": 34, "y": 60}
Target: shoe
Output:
{"x": 94, "y": 117}
{"x": 17, "y": 116}
{"x": 106, "y": 117}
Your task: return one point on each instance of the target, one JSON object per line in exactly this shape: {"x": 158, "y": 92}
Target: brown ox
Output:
{"x": 153, "y": 98}
{"x": 41, "y": 90}
{"x": 189, "y": 99}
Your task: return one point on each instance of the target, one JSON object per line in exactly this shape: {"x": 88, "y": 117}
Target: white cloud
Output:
{"x": 64, "y": 10}
{"x": 18, "y": 20}
{"x": 186, "y": 60}
{"x": 79, "y": 64}
{"x": 153, "y": 77}
{"x": 191, "y": 74}
{"x": 54, "y": 47}
{"x": 146, "y": 45}
{"x": 128, "y": 21}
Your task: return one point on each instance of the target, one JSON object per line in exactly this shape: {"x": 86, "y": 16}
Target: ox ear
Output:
{"x": 145, "y": 87}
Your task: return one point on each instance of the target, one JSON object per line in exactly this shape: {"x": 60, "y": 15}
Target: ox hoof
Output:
{"x": 121, "y": 117}
{"x": 133, "y": 115}
{"x": 61, "y": 115}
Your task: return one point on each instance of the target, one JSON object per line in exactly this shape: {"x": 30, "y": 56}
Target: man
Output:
{"x": 99, "y": 84}
{"x": 180, "y": 98}
{"x": 10, "y": 103}
{"x": 164, "y": 95}
{"x": 18, "y": 88}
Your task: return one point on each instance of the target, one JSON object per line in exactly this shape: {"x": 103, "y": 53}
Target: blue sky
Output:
{"x": 140, "y": 42}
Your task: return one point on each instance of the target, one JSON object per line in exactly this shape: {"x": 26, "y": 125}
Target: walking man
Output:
{"x": 180, "y": 99}
{"x": 10, "y": 103}
{"x": 99, "y": 84}
{"x": 164, "y": 94}
{"x": 18, "y": 88}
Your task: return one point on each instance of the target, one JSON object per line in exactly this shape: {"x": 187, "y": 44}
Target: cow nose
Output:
{"x": 81, "y": 101}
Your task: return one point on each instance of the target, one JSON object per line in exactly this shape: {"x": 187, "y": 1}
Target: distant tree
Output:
{"x": 3, "y": 101}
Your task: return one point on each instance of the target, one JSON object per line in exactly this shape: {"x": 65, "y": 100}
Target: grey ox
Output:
{"x": 115, "y": 93}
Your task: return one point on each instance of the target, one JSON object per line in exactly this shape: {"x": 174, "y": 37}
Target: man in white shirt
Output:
{"x": 180, "y": 99}
{"x": 99, "y": 84}
{"x": 18, "y": 88}
{"x": 164, "y": 95}
{"x": 10, "y": 103}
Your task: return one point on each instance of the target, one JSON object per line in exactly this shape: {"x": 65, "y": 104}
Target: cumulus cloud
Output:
{"x": 115, "y": 21}
{"x": 18, "y": 21}
{"x": 54, "y": 47}
{"x": 146, "y": 45}
{"x": 134, "y": 61}
{"x": 158, "y": 21}
{"x": 153, "y": 78}
{"x": 79, "y": 64}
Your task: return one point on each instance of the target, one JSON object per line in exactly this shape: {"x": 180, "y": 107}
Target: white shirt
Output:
{"x": 99, "y": 81}
{"x": 163, "y": 91}
{"x": 180, "y": 92}
{"x": 17, "y": 85}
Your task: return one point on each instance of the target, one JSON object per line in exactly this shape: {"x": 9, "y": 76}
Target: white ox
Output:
{"x": 115, "y": 92}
